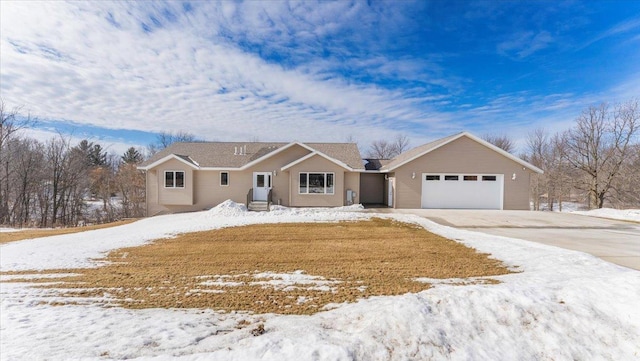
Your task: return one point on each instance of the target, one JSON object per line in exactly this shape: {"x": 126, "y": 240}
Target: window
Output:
{"x": 173, "y": 179}
{"x": 316, "y": 183}
{"x": 490, "y": 178}
{"x": 470, "y": 178}
{"x": 433, "y": 177}
{"x": 451, "y": 177}
{"x": 224, "y": 178}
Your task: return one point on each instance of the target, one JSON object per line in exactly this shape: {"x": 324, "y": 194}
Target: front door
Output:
{"x": 261, "y": 185}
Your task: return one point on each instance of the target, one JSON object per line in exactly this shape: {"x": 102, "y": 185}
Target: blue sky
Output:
{"x": 120, "y": 72}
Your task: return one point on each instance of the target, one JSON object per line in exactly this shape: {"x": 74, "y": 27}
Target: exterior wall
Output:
{"x": 462, "y": 156}
{"x": 204, "y": 189}
{"x": 279, "y": 182}
{"x": 372, "y": 188}
{"x": 319, "y": 164}
{"x": 175, "y": 196}
{"x": 352, "y": 181}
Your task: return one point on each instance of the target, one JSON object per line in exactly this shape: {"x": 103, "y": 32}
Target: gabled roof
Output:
{"x": 319, "y": 154}
{"x": 242, "y": 155}
{"x": 418, "y": 152}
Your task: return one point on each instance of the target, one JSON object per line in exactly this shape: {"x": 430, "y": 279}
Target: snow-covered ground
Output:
{"x": 563, "y": 305}
{"x": 621, "y": 214}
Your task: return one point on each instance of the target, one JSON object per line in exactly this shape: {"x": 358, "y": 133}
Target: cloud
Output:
{"x": 617, "y": 29}
{"x": 159, "y": 67}
{"x": 254, "y": 70}
{"x": 524, "y": 44}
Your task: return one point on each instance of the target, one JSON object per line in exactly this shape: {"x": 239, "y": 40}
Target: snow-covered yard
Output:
{"x": 563, "y": 305}
{"x": 621, "y": 214}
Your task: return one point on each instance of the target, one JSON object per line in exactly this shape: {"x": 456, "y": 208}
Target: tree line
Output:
{"x": 596, "y": 161}
{"x": 55, "y": 183}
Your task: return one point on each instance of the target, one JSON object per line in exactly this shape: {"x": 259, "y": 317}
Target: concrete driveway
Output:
{"x": 611, "y": 240}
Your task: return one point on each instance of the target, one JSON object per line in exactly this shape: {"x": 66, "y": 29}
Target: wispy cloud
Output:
{"x": 269, "y": 70}
{"x": 524, "y": 44}
{"x": 623, "y": 27}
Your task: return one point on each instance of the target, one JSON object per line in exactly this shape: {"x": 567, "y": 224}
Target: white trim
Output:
{"x": 184, "y": 179}
{"x": 193, "y": 165}
{"x": 312, "y": 154}
{"x": 325, "y": 184}
{"x": 478, "y": 140}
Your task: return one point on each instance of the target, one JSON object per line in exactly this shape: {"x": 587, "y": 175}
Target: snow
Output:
{"x": 621, "y": 214}
{"x": 561, "y": 305}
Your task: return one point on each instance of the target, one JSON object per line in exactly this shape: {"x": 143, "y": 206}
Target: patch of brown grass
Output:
{"x": 6, "y": 237}
{"x": 367, "y": 258}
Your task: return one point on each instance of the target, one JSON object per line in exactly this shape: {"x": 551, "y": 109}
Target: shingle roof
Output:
{"x": 238, "y": 154}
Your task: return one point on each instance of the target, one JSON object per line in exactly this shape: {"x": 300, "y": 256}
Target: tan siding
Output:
{"x": 203, "y": 189}
{"x": 318, "y": 164}
{"x": 280, "y": 182}
{"x": 352, "y": 181}
{"x": 462, "y": 156}
{"x": 175, "y": 196}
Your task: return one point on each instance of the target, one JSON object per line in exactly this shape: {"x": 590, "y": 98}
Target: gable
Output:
{"x": 463, "y": 154}
{"x": 473, "y": 144}
{"x": 312, "y": 158}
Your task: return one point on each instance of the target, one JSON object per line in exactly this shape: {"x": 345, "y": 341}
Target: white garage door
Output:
{"x": 464, "y": 191}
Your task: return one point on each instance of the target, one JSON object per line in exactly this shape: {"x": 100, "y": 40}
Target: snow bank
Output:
{"x": 80, "y": 250}
{"x": 561, "y": 305}
{"x": 621, "y": 214}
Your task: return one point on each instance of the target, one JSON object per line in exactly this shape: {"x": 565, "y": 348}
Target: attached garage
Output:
{"x": 462, "y": 191}
{"x": 461, "y": 171}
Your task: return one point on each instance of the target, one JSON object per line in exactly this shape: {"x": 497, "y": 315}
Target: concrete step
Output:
{"x": 258, "y": 206}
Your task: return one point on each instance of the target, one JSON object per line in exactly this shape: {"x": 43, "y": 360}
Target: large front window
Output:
{"x": 316, "y": 183}
{"x": 173, "y": 179}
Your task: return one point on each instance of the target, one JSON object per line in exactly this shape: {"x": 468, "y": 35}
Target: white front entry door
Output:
{"x": 261, "y": 185}
{"x": 390, "y": 194}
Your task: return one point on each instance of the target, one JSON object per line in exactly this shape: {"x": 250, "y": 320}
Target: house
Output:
{"x": 195, "y": 176}
{"x": 459, "y": 171}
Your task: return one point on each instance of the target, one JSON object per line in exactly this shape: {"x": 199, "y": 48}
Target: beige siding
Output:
{"x": 352, "y": 182}
{"x": 204, "y": 191}
{"x": 462, "y": 156}
{"x": 175, "y": 196}
{"x": 319, "y": 164}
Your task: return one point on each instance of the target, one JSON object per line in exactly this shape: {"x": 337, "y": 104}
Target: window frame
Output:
{"x": 326, "y": 176}
{"x": 174, "y": 179}
{"x": 452, "y": 178}
{"x": 489, "y": 178}
{"x": 228, "y": 179}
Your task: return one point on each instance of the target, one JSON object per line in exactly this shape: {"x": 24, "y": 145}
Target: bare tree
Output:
{"x": 10, "y": 123}
{"x": 537, "y": 151}
{"x": 383, "y": 149}
{"x": 598, "y": 146}
{"x": 500, "y": 141}
{"x": 164, "y": 139}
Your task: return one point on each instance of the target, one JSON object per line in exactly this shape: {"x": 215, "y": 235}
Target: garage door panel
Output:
{"x": 465, "y": 194}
